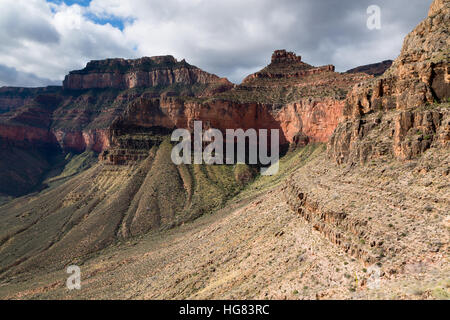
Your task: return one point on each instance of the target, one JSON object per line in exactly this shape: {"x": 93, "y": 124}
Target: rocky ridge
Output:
{"x": 404, "y": 103}
{"x": 375, "y": 69}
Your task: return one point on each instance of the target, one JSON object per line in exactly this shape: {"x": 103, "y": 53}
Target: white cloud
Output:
{"x": 49, "y": 40}
{"x": 231, "y": 38}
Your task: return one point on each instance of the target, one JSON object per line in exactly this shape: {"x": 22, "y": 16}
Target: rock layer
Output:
{"x": 144, "y": 72}
{"x": 418, "y": 80}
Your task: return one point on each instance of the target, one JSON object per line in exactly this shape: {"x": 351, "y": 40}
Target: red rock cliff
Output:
{"x": 303, "y": 101}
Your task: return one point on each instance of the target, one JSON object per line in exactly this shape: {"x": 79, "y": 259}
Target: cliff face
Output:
{"x": 374, "y": 211}
{"x": 314, "y": 119}
{"x": 144, "y": 72}
{"x": 406, "y": 104}
{"x": 111, "y": 104}
{"x": 303, "y": 101}
{"x": 306, "y": 101}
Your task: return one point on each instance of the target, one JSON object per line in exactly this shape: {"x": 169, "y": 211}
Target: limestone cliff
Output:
{"x": 143, "y": 72}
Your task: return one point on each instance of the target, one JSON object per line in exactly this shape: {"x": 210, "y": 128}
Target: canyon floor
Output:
{"x": 256, "y": 247}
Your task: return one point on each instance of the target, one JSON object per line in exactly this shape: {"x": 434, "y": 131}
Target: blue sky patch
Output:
{"x": 112, "y": 20}
{"x": 83, "y": 3}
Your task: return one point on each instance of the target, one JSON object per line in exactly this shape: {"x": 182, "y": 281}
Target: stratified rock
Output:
{"x": 12, "y": 98}
{"x": 286, "y": 65}
{"x": 289, "y": 95}
{"x": 143, "y": 72}
{"x": 401, "y": 107}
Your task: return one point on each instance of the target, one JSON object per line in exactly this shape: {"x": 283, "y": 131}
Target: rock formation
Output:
{"x": 287, "y": 65}
{"x": 111, "y": 105}
{"x": 369, "y": 199}
{"x": 290, "y": 95}
{"x": 143, "y": 72}
{"x": 398, "y": 113}
{"x": 345, "y": 218}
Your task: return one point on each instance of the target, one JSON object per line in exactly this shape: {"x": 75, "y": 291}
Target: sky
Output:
{"x": 42, "y": 40}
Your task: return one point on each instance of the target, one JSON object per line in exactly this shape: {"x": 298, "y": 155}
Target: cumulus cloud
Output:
{"x": 230, "y": 38}
{"x": 48, "y": 39}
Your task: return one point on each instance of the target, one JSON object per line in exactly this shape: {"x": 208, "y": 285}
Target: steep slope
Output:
{"x": 105, "y": 204}
{"x": 258, "y": 248}
{"x": 384, "y": 198}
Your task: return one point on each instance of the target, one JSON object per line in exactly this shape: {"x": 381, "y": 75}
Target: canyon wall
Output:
{"x": 313, "y": 119}
{"x": 402, "y": 115}
{"x": 308, "y": 114}
{"x": 406, "y": 104}
{"x": 167, "y": 93}
{"x": 144, "y": 72}
{"x": 121, "y": 108}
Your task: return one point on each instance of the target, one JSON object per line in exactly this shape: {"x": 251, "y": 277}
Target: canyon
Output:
{"x": 362, "y": 190}
{"x": 303, "y": 101}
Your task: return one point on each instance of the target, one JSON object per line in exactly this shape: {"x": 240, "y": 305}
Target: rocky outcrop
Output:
{"x": 286, "y": 65}
{"x": 347, "y": 232}
{"x": 314, "y": 119}
{"x": 375, "y": 69}
{"x": 281, "y": 56}
{"x": 144, "y": 72}
{"x": 297, "y": 74}
{"x": 407, "y": 98}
